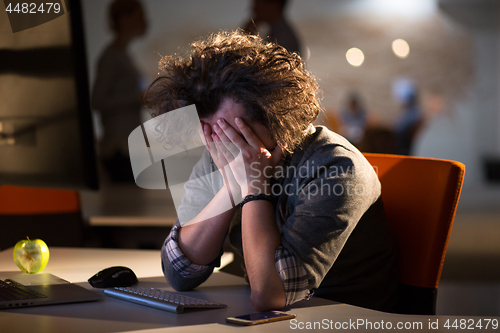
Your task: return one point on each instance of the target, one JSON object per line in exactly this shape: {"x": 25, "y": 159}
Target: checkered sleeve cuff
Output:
{"x": 178, "y": 260}
{"x": 293, "y": 275}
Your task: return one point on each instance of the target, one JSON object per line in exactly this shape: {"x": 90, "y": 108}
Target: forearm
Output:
{"x": 260, "y": 241}
{"x": 201, "y": 239}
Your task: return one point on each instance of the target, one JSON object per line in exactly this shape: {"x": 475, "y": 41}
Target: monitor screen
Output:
{"x": 46, "y": 133}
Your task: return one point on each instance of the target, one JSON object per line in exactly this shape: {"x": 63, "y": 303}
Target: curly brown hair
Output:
{"x": 265, "y": 78}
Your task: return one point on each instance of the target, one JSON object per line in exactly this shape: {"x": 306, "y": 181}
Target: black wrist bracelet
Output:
{"x": 252, "y": 197}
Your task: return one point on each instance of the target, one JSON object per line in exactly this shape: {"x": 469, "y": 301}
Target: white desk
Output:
{"x": 113, "y": 315}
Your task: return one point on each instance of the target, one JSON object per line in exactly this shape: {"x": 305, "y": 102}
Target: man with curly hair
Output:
{"x": 310, "y": 220}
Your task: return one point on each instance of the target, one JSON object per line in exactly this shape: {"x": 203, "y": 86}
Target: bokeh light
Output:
{"x": 355, "y": 56}
{"x": 400, "y": 48}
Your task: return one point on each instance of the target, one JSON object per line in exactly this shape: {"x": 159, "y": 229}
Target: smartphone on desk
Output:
{"x": 260, "y": 318}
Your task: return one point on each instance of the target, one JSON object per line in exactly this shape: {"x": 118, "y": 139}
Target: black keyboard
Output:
{"x": 161, "y": 299}
{"x": 12, "y": 290}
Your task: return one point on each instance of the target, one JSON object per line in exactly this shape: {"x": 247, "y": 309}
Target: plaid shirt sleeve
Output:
{"x": 179, "y": 261}
{"x": 293, "y": 275}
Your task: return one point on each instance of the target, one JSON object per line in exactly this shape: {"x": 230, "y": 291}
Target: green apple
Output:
{"x": 31, "y": 256}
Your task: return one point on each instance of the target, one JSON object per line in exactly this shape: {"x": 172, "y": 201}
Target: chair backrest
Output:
{"x": 49, "y": 214}
{"x": 420, "y": 197}
{"x": 18, "y": 200}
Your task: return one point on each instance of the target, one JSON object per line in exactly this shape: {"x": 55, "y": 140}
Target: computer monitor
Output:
{"x": 46, "y": 130}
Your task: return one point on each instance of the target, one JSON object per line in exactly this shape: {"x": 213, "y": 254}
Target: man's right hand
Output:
{"x": 218, "y": 154}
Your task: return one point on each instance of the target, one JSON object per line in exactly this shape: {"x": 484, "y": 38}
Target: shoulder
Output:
{"x": 328, "y": 159}
{"x": 325, "y": 147}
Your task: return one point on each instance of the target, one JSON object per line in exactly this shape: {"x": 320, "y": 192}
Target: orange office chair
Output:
{"x": 420, "y": 197}
{"x": 52, "y": 215}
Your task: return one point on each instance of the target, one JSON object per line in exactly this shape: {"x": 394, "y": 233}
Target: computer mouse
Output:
{"x": 117, "y": 276}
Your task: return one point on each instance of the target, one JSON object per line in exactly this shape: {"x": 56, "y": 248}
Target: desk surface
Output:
{"x": 113, "y": 315}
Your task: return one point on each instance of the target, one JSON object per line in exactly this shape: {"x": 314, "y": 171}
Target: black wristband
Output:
{"x": 252, "y": 197}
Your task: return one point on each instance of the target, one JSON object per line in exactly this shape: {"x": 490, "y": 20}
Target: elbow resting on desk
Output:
{"x": 266, "y": 301}
{"x": 180, "y": 283}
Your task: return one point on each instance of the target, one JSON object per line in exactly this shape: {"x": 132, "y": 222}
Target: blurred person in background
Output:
{"x": 408, "y": 124}
{"x": 117, "y": 92}
{"x": 353, "y": 119}
{"x": 270, "y": 14}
